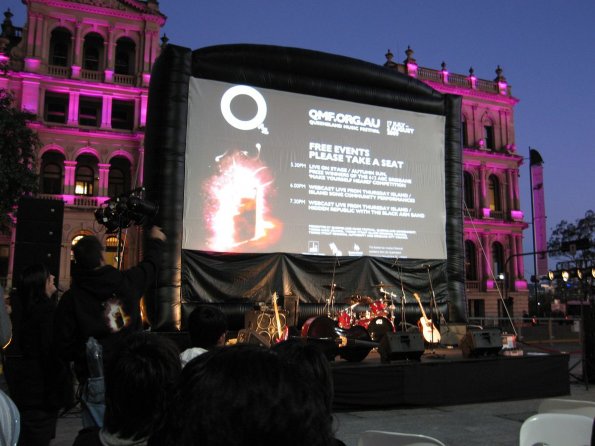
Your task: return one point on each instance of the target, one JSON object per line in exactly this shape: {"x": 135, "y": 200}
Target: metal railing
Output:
{"x": 534, "y": 330}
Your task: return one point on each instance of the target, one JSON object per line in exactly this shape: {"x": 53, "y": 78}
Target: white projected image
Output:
{"x": 273, "y": 171}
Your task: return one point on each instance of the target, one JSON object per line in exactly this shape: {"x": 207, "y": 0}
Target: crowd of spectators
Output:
{"x": 149, "y": 392}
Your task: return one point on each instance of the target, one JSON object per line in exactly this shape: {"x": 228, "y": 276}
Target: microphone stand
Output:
{"x": 403, "y": 317}
{"x": 330, "y": 304}
{"x": 433, "y": 310}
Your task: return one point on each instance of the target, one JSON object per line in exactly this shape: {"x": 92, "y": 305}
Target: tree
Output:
{"x": 18, "y": 148}
{"x": 579, "y": 237}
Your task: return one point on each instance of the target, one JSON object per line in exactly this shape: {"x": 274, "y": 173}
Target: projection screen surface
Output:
{"x": 272, "y": 171}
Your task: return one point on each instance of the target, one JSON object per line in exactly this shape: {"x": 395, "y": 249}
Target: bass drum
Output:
{"x": 354, "y": 353}
{"x": 378, "y": 327}
{"x": 324, "y": 332}
{"x": 320, "y": 330}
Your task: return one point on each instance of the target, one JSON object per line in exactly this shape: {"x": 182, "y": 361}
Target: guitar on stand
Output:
{"x": 427, "y": 328}
{"x": 281, "y": 331}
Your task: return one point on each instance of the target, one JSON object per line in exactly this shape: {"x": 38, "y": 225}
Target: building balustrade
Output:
{"x": 472, "y": 285}
{"x": 54, "y": 70}
{"x": 459, "y": 80}
{"x": 92, "y": 75}
{"x": 123, "y": 79}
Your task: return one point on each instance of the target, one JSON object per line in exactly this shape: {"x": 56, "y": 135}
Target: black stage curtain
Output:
{"x": 251, "y": 278}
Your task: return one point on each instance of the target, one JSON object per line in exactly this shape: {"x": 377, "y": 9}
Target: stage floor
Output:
{"x": 444, "y": 377}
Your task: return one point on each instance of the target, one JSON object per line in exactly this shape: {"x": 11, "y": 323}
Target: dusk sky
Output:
{"x": 546, "y": 49}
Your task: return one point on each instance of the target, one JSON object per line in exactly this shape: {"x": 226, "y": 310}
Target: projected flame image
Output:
{"x": 236, "y": 211}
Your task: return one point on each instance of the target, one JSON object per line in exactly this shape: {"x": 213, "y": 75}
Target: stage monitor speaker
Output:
{"x": 401, "y": 345}
{"x": 482, "y": 342}
{"x": 247, "y": 336}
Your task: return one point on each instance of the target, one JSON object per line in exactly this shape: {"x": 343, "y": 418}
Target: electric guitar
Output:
{"x": 282, "y": 332}
{"x": 427, "y": 328}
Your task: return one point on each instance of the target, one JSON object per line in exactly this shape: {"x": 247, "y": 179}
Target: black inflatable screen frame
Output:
{"x": 299, "y": 71}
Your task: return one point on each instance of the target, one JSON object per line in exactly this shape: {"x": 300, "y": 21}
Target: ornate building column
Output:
{"x": 78, "y": 51}
{"x": 69, "y": 177}
{"x": 103, "y": 179}
{"x": 106, "y": 112}
{"x": 486, "y": 266}
{"x": 483, "y": 187}
{"x": 73, "y": 108}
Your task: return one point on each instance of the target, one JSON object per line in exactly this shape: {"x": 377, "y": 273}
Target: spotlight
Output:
{"x": 121, "y": 212}
{"x": 565, "y": 276}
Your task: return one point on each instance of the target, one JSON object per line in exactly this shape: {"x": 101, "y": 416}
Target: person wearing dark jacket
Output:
{"x": 37, "y": 380}
{"x": 102, "y": 304}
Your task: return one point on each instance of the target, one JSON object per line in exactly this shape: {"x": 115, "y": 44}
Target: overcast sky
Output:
{"x": 546, "y": 49}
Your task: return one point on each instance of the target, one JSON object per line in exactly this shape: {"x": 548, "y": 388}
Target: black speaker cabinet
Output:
{"x": 482, "y": 342}
{"x": 401, "y": 345}
{"x": 38, "y": 234}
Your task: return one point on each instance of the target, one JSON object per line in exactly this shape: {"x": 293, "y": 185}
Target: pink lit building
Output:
{"x": 83, "y": 68}
{"x": 494, "y": 223}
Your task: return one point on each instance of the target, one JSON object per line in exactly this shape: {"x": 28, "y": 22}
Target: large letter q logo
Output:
{"x": 261, "y": 107}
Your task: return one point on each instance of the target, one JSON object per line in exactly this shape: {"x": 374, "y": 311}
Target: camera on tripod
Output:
{"x": 127, "y": 209}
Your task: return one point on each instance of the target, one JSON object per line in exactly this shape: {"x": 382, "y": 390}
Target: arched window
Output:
{"x": 489, "y": 136}
{"x": 494, "y": 193}
{"x": 470, "y": 261}
{"x": 84, "y": 177}
{"x": 465, "y": 132}
{"x": 93, "y": 52}
{"x": 497, "y": 259}
{"x": 60, "y": 43}
{"x": 51, "y": 174}
{"x": 119, "y": 177}
{"x": 111, "y": 251}
{"x": 469, "y": 195}
{"x": 75, "y": 240}
{"x": 125, "y": 54}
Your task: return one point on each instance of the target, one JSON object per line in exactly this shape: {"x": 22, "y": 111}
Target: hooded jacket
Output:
{"x": 103, "y": 303}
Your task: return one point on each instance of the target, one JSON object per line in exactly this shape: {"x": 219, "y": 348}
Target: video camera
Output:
{"x": 121, "y": 212}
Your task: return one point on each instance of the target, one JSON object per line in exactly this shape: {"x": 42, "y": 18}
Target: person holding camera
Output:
{"x": 103, "y": 305}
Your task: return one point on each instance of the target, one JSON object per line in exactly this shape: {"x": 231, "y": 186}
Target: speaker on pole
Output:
{"x": 401, "y": 345}
{"x": 485, "y": 342}
{"x": 38, "y": 234}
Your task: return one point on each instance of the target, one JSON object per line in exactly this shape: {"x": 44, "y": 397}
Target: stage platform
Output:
{"x": 444, "y": 377}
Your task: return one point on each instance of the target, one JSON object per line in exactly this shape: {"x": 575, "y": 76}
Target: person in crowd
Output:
{"x": 207, "y": 327}
{"x": 314, "y": 364}
{"x": 38, "y": 382}
{"x": 10, "y": 421}
{"x": 244, "y": 395}
{"x": 5, "y": 323}
{"x": 139, "y": 381}
{"x": 103, "y": 303}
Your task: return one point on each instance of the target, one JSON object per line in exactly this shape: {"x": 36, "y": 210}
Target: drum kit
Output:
{"x": 377, "y": 320}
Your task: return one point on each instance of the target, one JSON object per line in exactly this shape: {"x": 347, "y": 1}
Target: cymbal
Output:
{"x": 333, "y": 286}
{"x": 357, "y": 299}
{"x": 383, "y": 285}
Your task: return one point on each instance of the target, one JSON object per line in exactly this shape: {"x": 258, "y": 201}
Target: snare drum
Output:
{"x": 344, "y": 319}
